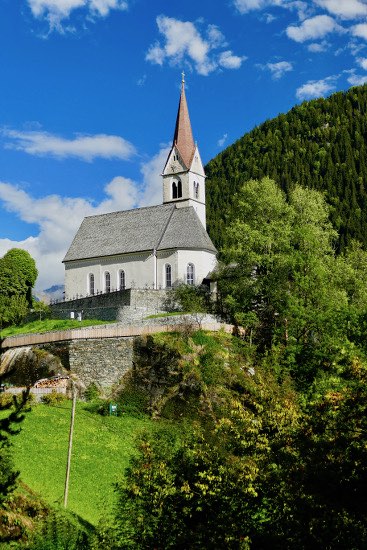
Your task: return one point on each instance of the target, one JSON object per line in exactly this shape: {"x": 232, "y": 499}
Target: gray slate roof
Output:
{"x": 161, "y": 227}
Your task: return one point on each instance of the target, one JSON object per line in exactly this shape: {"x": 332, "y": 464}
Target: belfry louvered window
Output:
{"x": 177, "y": 189}
{"x": 196, "y": 190}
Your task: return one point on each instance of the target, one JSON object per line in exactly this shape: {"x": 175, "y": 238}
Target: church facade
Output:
{"x": 153, "y": 247}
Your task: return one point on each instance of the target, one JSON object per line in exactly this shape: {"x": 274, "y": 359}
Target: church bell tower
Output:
{"x": 183, "y": 174}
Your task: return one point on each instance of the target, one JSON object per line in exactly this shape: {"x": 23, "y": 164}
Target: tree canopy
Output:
{"x": 18, "y": 274}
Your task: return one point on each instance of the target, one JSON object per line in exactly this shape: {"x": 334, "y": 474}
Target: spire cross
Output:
{"x": 183, "y": 77}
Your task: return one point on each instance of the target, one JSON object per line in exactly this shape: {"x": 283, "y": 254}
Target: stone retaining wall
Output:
{"x": 102, "y": 361}
{"x": 97, "y": 354}
{"x": 127, "y": 306}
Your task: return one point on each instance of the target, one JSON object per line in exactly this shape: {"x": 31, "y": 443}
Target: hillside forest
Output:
{"x": 320, "y": 144}
{"x": 258, "y": 439}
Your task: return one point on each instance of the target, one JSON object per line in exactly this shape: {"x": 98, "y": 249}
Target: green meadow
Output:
{"x": 102, "y": 447}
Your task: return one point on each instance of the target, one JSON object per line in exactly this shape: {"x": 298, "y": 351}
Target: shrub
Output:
{"x": 133, "y": 401}
{"x": 92, "y": 392}
{"x": 189, "y": 299}
{"x": 59, "y": 532}
{"x": 54, "y": 398}
{"x": 6, "y": 399}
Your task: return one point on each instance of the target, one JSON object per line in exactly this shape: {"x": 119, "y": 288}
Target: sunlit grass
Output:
{"x": 102, "y": 447}
{"x": 48, "y": 325}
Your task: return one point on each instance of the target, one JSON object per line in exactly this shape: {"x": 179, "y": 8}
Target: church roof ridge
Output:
{"x": 126, "y": 211}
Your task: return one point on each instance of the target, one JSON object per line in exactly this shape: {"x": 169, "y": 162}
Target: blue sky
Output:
{"x": 89, "y": 92}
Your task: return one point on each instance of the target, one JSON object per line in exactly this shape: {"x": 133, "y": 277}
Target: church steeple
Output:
{"x": 183, "y": 174}
{"x": 182, "y": 138}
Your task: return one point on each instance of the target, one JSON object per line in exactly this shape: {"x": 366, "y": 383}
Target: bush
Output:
{"x": 6, "y": 399}
{"x": 189, "y": 299}
{"x": 54, "y": 398}
{"x": 92, "y": 392}
{"x": 133, "y": 401}
{"x": 102, "y": 407}
{"x": 59, "y": 532}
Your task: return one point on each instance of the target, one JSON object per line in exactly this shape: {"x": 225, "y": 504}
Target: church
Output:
{"x": 154, "y": 247}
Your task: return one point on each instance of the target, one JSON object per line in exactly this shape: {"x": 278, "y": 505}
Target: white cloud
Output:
{"x": 316, "y": 88}
{"x": 55, "y": 11}
{"x": 142, "y": 80}
{"x": 58, "y": 217}
{"x": 84, "y": 147}
{"x": 152, "y": 179}
{"x": 346, "y": 9}
{"x": 360, "y": 30}
{"x": 215, "y": 36}
{"x": 313, "y": 28}
{"x": 183, "y": 43}
{"x": 269, "y": 18}
{"x": 245, "y": 6}
{"x": 362, "y": 61}
{"x": 318, "y": 47}
{"x": 229, "y": 61}
{"x": 221, "y": 141}
{"x": 279, "y": 69}
{"x": 357, "y": 80}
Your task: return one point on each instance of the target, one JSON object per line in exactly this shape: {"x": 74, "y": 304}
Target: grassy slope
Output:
{"x": 102, "y": 447}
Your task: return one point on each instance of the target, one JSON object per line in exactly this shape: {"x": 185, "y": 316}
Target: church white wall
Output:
{"x": 139, "y": 270}
{"x": 204, "y": 263}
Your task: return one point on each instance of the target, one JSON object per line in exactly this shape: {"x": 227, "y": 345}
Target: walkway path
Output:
{"x": 107, "y": 331}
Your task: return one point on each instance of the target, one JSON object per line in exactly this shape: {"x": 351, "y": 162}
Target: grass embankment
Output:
{"x": 48, "y": 325}
{"x": 167, "y": 314}
{"x": 102, "y": 447}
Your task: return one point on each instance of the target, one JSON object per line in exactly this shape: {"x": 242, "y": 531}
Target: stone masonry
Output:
{"x": 103, "y": 361}
{"x": 126, "y": 306}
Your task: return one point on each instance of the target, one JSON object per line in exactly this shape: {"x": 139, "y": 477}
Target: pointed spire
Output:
{"x": 182, "y": 138}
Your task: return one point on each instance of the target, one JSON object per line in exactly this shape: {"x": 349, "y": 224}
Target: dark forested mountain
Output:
{"x": 321, "y": 144}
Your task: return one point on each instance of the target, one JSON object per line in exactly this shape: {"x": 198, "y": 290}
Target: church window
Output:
{"x": 107, "y": 282}
{"x": 91, "y": 284}
{"x": 177, "y": 189}
{"x": 190, "y": 274}
{"x": 122, "y": 282}
{"x": 174, "y": 190}
{"x": 196, "y": 189}
{"x": 168, "y": 276}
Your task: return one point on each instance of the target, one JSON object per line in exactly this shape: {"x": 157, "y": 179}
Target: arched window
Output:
{"x": 177, "y": 189}
{"x": 190, "y": 274}
{"x": 196, "y": 190}
{"x": 107, "y": 282}
{"x": 122, "y": 283}
{"x": 174, "y": 190}
{"x": 168, "y": 276}
{"x": 91, "y": 284}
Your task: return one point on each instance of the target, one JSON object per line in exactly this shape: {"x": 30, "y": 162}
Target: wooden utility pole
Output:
{"x": 66, "y": 491}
